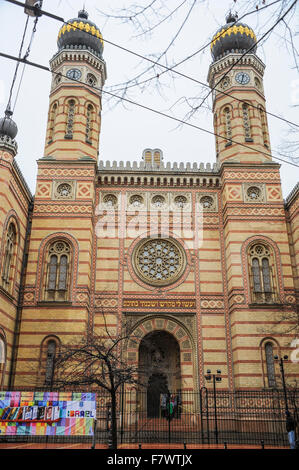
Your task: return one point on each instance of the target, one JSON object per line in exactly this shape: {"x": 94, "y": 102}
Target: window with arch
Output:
{"x": 8, "y": 255}
{"x": 89, "y": 119}
{"x": 262, "y": 274}
{"x": 228, "y": 125}
{"x": 50, "y": 362}
{"x": 57, "y": 285}
{"x": 264, "y": 126}
{"x": 2, "y": 360}
{"x": 53, "y": 115}
{"x": 270, "y": 365}
{"x": 70, "y": 119}
{"x": 246, "y": 123}
{"x": 216, "y": 136}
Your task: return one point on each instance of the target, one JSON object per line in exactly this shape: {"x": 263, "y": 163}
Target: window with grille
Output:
{"x": 270, "y": 364}
{"x": 53, "y": 115}
{"x": 89, "y": 116}
{"x": 262, "y": 274}
{"x": 264, "y": 127}
{"x": 246, "y": 123}
{"x": 70, "y": 119}
{"x": 8, "y": 258}
{"x": 50, "y": 358}
{"x": 228, "y": 125}
{"x": 58, "y": 270}
{"x": 2, "y": 360}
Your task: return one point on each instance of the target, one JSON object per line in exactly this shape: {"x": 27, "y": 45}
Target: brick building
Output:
{"x": 203, "y": 260}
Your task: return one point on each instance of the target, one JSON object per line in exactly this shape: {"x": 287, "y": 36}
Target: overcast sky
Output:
{"x": 126, "y": 129}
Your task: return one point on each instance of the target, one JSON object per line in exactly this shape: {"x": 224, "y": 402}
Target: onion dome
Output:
{"x": 7, "y": 126}
{"x": 233, "y": 37}
{"x": 80, "y": 33}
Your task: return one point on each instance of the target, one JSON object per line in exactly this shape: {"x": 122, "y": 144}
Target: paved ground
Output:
{"x": 22, "y": 445}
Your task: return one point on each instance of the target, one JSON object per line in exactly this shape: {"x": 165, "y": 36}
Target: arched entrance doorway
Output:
{"x": 160, "y": 368}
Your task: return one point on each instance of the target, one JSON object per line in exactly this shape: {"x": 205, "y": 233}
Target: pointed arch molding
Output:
{"x": 277, "y": 259}
{"x": 12, "y": 217}
{"x": 176, "y": 328}
{"x": 64, "y": 236}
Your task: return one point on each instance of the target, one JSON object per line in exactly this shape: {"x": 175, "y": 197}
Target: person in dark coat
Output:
{"x": 290, "y": 427}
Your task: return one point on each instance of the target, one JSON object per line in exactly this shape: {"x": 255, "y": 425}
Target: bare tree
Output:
{"x": 97, "y": 361}
{"x": 149, "y": 18}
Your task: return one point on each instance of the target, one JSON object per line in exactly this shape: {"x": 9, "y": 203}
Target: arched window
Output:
{"x": 216, "y": 136}
{"x": 264, "y": 126}
{"x": 50, "y": 358}
{"x": 9, "y": 251}
{"x": 70, "y": 119}
{"x": 53, "y": 115}
{"x": 262, "y": 274}
{"x": 246, "y": 123}
{"x": 228, "y": 125}
{"x": 270, "y": 367}
{"x": 89, "y": 118}
{"x": 2, "y": 359}
{"x": 58, "y": 271}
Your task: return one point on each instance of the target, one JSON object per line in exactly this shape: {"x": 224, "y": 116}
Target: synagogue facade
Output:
{"x": 202, "y": 259}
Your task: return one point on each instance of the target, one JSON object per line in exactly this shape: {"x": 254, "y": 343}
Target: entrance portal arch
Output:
{"x": 159, "y": 368}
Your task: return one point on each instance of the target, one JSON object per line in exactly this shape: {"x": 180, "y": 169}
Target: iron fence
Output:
{"x": 242, "y": 418}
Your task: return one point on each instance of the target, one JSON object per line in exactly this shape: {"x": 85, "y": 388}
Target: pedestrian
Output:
{"x": 290, "y": 427}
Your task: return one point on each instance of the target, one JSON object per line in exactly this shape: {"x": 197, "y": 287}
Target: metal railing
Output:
{"x": 242, "y": 418}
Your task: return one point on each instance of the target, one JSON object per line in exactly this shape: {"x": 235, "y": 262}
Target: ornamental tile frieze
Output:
{"x": 159, "y": 304}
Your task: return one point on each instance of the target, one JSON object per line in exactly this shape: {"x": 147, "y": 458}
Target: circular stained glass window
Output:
{"x": 180, "y": 201}
{"x": 253, "y": 192}
{"x": 136, "y": 201}
{"x": 206, "y": 202}
{"x": 158, "y": 201}
{"x": 110, "y": 200}
{"x": 159, "y": 261}
{"x": 64, "y": 190}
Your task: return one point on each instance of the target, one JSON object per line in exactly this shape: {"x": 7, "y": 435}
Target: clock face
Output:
{"x": 74, "y": 74}
{"x": 243, "y": 78}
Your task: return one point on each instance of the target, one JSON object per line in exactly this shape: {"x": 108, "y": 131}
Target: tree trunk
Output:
{"x": 113, "y": 419}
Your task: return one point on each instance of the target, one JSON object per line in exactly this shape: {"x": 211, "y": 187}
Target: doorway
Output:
{"x": 157, "y": 385}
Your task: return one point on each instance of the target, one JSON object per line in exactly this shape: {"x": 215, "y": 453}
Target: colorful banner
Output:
{"x": 47, "y": 413}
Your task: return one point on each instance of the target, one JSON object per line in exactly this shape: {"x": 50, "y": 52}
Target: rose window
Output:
{"x": 206, "y": 202}
{"x": 136, "y": 201}
{"x": 64, "y": 190}
{"x": 110, "y": 200}
{"x": 158, "y": 201}
{"x": 180, "y": 201}
{"x": 159, "y": 261}
{"x": 253, "y": 192}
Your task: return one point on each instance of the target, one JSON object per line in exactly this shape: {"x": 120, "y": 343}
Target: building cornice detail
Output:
{"x": 169, "y": 167}
{"x": 233, "y": 59}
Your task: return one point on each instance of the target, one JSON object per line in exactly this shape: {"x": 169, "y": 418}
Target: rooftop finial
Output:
{"x": 231, "y": 17}
{"x": 83, "y": 13}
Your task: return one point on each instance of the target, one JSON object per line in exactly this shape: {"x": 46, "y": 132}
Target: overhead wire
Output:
{"x": 140, "y": 105}
{"x": 249, "y": 50}
{"x": 25, "y": 57}
{"x": 42, "y": 12}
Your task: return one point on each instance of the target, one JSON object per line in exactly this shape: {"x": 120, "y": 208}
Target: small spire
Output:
{"x": 231, "y": 17}
{"x": 83, "y": 13}
{"x": 8, "y": 112}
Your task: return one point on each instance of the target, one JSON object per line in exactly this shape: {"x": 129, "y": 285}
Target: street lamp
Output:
{"x": 285, "y": 358}
{"x": 216, "y": 378}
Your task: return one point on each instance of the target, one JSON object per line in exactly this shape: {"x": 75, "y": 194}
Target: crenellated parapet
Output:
{"x": 171, "y": 167}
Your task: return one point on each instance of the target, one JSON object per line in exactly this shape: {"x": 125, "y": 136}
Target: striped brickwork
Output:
{"x": 14, "y": 202}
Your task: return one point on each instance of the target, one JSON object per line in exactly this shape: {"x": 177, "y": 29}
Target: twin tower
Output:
{"x": 79, "y": 73}
{"x": 197, "y": 306}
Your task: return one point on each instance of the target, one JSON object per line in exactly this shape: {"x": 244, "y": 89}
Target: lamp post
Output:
{"x": 285, "y": 358}
{"x": 216, "y": 378}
